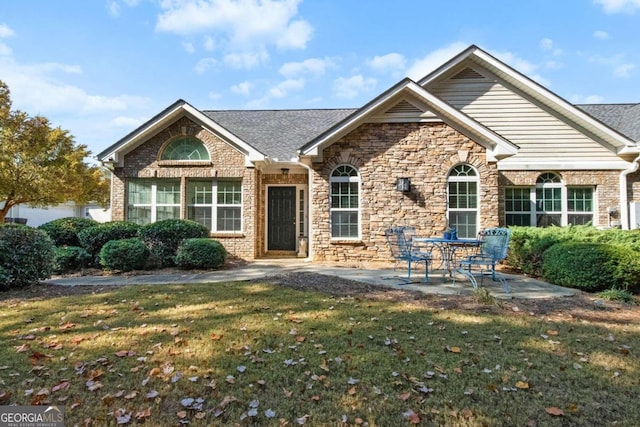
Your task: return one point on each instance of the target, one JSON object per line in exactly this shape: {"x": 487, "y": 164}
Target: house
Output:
{"x": 37, "y": 216}
{"x": 474, "y": 144}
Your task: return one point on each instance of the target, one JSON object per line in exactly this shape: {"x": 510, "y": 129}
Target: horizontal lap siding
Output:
{"x": 540, "y": 135}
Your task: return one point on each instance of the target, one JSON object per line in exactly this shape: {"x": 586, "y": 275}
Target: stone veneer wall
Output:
{"x": 383, "y": 152}
{"x": 606, "y": 182}
{"x": 226, "y": 162}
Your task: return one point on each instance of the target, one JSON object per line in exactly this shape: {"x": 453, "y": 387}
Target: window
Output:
{"x": 214, "y": 204}
{"x": 462, "y": 186}
{"x": 149, "y": 201}
{"x": 549, "y": 203}
{"x": 220, "y": 213}
{"x": 345, "y": 202}
{"x": 185, "y": 149}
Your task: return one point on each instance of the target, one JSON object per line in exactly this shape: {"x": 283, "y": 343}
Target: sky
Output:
{"x": 101, "y": 68}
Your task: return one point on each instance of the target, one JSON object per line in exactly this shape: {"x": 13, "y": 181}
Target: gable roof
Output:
{"x": 625, "y": 118}
{"x": 278, "y": 133}
{"x": 166, "y": 117}
{"x": 520, "y": 83}
{"x": 497, "y": 147}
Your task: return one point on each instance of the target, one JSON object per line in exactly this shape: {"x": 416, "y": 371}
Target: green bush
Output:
{"x": 26, "y": 255}
{"x": 64, "y": 231}
{"x": 165, "y": 237}
{"x": 94, "y": 238}
{"x": 591, "y": 266}
{"x": 70, "y": 258}
{"x": 200, "y": 253}
{"x": 124, "y": 255}
{"x": 617, "y": 295}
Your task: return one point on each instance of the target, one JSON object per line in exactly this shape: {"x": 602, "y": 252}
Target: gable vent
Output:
{"x": 467, "y": 74}
{"x": 404, "y": 107}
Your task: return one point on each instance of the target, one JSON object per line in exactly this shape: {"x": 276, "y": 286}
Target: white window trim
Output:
{"x": 214, "y": 205}
{"x": 462, "y": 178}
{"x": 358, "y": 180}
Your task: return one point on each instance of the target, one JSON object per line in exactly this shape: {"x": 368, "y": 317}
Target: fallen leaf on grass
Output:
{"x": 63, "y": 385}
{"x": 143, "y": 414}
{"x": 453, "y": 349}
{"x": 522, "y": 385}
{"x": 556, "y": 412}
{"x": 404, "y": 396}
{"x": 411, "y": 416}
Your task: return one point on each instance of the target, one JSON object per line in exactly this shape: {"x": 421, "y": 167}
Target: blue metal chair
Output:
{"x": 493, "y": 249}
{"x": 400, "y": 243}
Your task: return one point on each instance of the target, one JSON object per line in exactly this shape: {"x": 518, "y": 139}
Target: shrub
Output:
{"x": 616, "y": 295}
{"x": 200, "y": 253}
{"x": 124, "y": 255}
{"x": 26, "y": 255}
{"x": 64, "y": 231}
{"x": 94, "y": 238}
{"x": 70, "y": 258}
{"x": 165, "y": 237}
{"x": 526, "y": 246}
{"x": 591, "y": 266}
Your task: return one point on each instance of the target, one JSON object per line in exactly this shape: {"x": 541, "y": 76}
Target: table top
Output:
{"x": 448, "y": 241}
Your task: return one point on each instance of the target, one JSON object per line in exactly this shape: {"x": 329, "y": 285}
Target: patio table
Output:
{"x": 448, "y": 249}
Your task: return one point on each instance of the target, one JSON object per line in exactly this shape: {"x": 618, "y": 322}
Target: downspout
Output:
{"x": 624, "y": 202}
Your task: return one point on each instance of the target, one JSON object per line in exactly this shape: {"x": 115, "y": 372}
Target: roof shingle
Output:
{"x": 624, "y": 118}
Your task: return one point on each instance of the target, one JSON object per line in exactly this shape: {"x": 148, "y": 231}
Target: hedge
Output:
{"x": 70, "y": 258}
{"x": 64, "y": 231}
{"x": 201, "y": 253}
{"x": 124, "y": 255}
{"x": 94, "y": 238}
{"x": 165, "y": 237}
{"x": 26, "y": 255}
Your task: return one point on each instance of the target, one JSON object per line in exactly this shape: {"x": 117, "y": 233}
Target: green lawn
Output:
{"x": 261, "y": 354}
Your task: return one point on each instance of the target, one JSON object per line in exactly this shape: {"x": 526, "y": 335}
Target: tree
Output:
{"x": 41, "y": 165}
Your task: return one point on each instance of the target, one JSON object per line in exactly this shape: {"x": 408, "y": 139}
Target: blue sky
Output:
{"x": 100, "y": 68}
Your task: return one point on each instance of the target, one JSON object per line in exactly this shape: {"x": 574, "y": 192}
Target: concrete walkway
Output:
{"x": 521, "y": 287}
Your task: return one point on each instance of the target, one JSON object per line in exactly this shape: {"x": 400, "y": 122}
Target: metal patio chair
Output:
{"x": 493, "y": 249}
{"x": 400, "y": 244}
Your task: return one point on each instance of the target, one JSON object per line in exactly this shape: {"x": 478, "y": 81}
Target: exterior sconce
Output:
{"x": 285, "y": 171}
{"x": 403, "y": 184}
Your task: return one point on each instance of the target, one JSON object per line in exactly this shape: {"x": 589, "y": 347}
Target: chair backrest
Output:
{"x": 495, "y": 243}
{"x": 399, "y": 240}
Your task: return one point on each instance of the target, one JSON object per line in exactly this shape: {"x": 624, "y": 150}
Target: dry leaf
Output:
{"x": 181, "y": 414}
{"x": 404, "y": 396}
{"x": 522, "y": 385}
{"x": 557, "y": 412}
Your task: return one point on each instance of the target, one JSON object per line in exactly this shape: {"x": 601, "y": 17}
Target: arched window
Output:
{"x": 345, "y": 202}
{"x": 185, "y": 149}
{"x": 463, "y": 207}
{"x": 550, "y": 202}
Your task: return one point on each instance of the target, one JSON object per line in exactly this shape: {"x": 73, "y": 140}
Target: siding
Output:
{"x": 540, "y": 135}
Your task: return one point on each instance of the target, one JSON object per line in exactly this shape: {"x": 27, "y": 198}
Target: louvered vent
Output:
{"x": 404, "y": 107}
{"x": 468, "y": 74}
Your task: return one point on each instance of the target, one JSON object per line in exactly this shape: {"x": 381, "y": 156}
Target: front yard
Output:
{"x": 281, "y": 352}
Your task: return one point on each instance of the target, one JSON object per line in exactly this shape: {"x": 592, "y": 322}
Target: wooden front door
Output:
{"x": 281, "y": 222}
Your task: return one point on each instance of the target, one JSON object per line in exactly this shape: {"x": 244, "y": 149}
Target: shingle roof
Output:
{"x": 625, "y": 118}
{"x": 278, "y": 133}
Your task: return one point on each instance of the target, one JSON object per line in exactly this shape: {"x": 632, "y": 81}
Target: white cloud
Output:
{"x": 391, "y": 62}
{"x": 352, "y": 86}
{"x": 244, "y": 23}
{"x": 209, "y": 43}
{"x": 283, "y": 88}
{"x": 5, "y": 31}
{"x": 114, "y": 9}
{"x": 204, "y": 64}
{"x": 312, "y": 66}
{"x": 433, "y": 60}
{"x": 246, "y": 60}
{"x": 619, "y": 6}
{"x": 623, "y": 70}
{"x": 601, "y": 35}
{"x": 546, "y": 44}
{"x": 5, "y": 50}
{"x": 127, "y": 122}
{"x": 188, "y": 47}
{"x": 243, "y": 88}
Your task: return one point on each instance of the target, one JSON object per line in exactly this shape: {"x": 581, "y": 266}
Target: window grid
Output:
{"x": 344, "y": 202}
{"x": 462, "y": 198}
{"x": 185, "y": 149}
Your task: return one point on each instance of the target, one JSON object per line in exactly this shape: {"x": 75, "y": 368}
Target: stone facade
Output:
{"x": 226, "y": 162}
{"x": 424, "y": 152}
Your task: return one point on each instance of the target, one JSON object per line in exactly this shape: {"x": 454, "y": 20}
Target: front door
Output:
{"x": 282, "y": 219}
